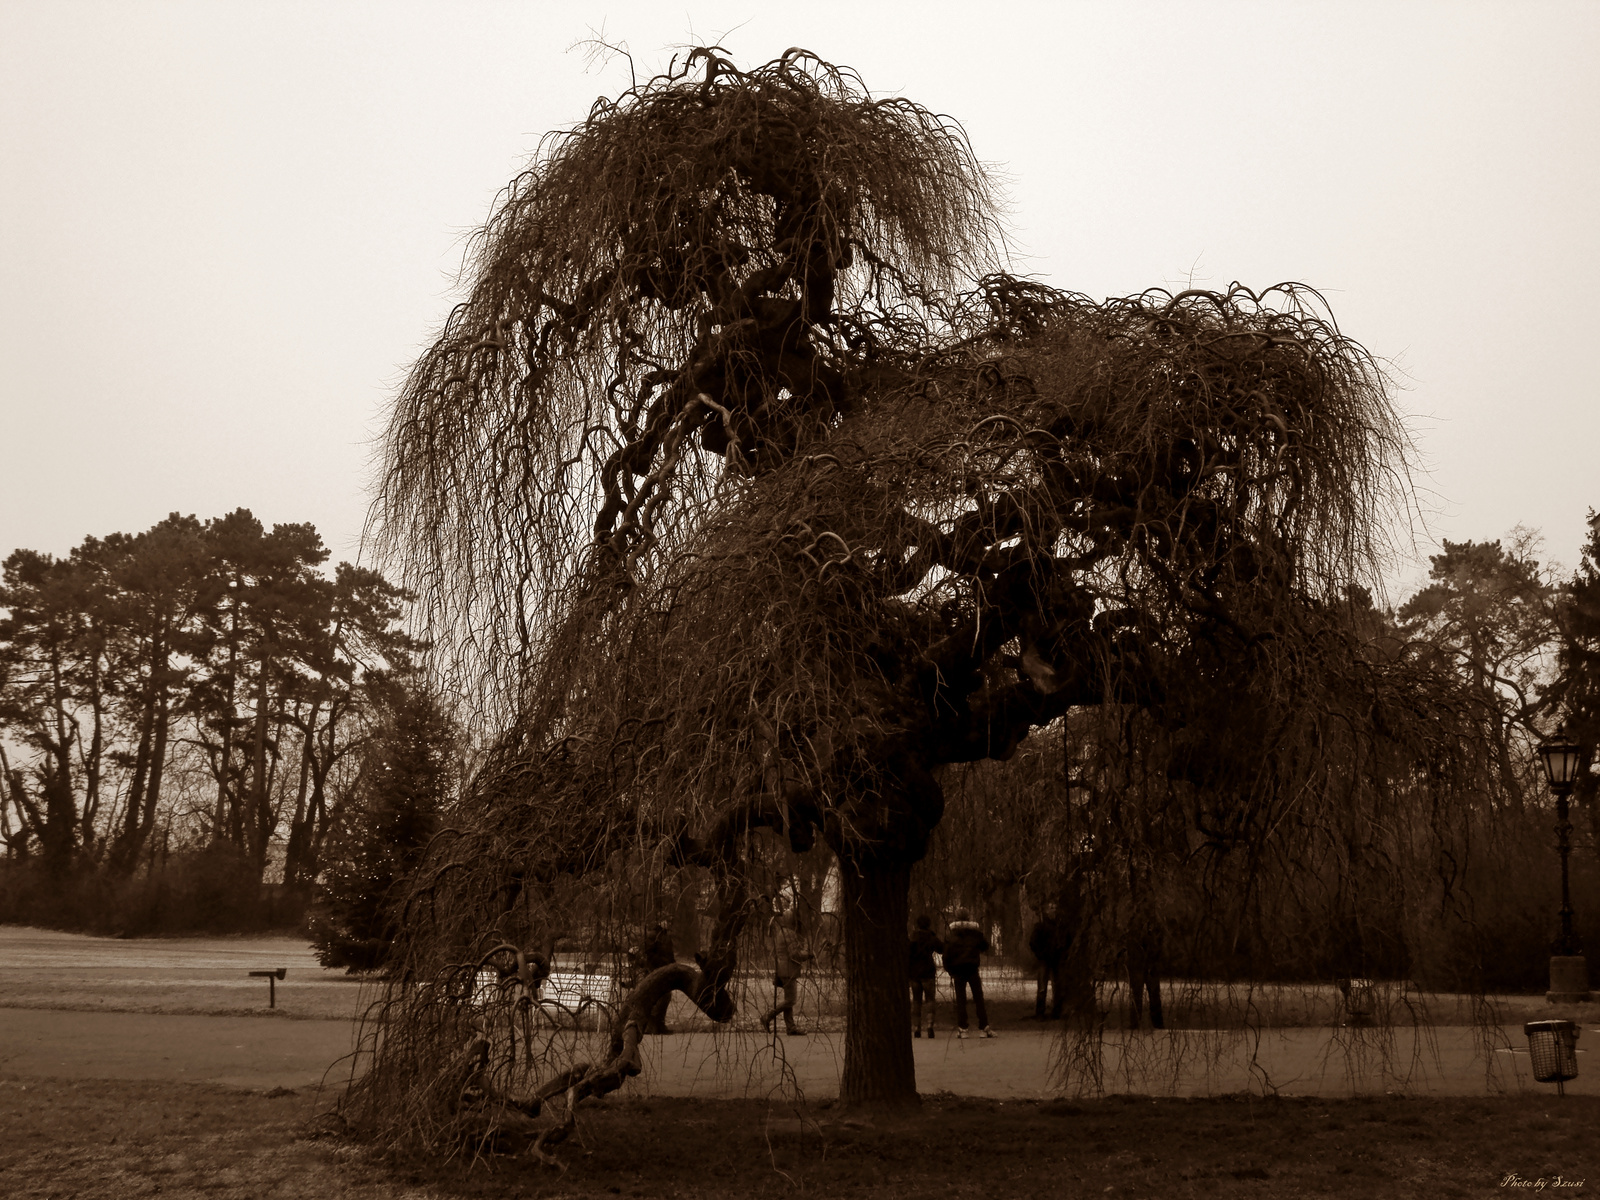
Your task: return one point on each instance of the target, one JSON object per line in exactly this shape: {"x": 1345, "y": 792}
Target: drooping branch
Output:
{"x": 742, "y": 236}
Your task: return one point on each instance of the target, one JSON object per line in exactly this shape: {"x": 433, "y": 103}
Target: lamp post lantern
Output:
{"x": 1569, "y": 971}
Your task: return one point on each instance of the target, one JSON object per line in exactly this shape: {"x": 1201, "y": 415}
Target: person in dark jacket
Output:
{"x": 1048, "y": 944}
{"x": 1146, "y": 947}
{"x": 924, "y": 945}
{"x": 963, "y": 949}
{"x": 659, "y": 952}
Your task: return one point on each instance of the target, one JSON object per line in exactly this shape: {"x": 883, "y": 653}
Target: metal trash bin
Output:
{"x": 1553, "y": 1049}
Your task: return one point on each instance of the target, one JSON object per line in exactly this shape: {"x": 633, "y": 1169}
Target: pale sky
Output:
{"x": 226, "y": 228}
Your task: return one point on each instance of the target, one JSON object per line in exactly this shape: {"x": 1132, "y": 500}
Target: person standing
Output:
{"x": 924, "y": 945}
{"x": 1049, "y": 943}
{"x": 963, "y": 950}
{"x": 1146, "y": 948}
{"x": 789, "y": 954}
{"x": 659, "y": 952}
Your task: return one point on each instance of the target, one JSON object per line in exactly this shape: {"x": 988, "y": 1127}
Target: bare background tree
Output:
{"x": 179, "y": 711}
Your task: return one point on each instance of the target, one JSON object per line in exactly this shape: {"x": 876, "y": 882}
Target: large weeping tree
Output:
{"x": 744, "y": 494}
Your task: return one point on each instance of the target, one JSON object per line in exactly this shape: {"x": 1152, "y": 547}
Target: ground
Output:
{"x": 144, "y": 1068}
{"x": 97, "y": 1141}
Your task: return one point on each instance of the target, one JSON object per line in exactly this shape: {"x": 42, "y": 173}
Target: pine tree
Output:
{"x": 407, "y": 776}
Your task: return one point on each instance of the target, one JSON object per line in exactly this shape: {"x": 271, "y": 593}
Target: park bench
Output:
{"x": 563, "y": 993}
{"x": 575, "y": 994}
{"x": 575, "y": 990}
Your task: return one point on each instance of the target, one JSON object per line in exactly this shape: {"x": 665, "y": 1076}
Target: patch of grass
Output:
{"x": 96, "y": 1140}
{"x": 206, "y": 976}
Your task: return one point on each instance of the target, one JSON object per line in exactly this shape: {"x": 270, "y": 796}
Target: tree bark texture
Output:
{"x": 125, "y": 849}
{"x": 259, "y": 824}
{"x": 878, "y": 1066}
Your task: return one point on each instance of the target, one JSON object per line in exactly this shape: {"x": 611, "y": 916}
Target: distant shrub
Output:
{"x": 212, "y": 889}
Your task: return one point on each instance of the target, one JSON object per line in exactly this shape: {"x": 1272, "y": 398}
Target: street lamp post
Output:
{"x": 1569, "y": 970}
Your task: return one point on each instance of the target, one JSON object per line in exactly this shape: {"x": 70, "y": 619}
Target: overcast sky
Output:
{"x": 226, "y": 228}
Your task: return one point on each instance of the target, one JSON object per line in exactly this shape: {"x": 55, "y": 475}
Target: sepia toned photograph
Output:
{"x": 868, "y": 600}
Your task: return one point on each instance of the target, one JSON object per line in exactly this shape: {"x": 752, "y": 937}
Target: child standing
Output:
{"x": 924, "y": 945}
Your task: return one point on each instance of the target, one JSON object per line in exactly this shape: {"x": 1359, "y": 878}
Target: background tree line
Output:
{"x": 194, "y": 711}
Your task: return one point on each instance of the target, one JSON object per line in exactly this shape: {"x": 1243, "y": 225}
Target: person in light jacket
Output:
{"x": 964, "y": 947}
{"x": 789, "y": 955}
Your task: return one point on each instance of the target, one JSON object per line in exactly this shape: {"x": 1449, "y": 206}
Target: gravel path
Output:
{"x": 262, "y": 1053}
{"x": 190, "y": 1011}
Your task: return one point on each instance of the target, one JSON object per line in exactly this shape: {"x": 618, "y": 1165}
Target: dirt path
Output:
{"x": 263, "y": 1053}
{"x": 1022, "y": 1065}
{"x": 190, "y": 1011}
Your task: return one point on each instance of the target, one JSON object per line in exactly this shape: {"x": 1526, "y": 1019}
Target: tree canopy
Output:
{"x": 677, "y": 294}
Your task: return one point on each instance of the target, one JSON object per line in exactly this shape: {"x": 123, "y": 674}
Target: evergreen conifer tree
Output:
{"x": 406, "y": 779}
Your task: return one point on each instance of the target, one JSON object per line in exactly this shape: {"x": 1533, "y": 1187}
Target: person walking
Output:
{"x": 963, "y": 950}
{"x": 659, "y": 952}
{"x": 789, "y": 955}
{"x": 924, "y": 945}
